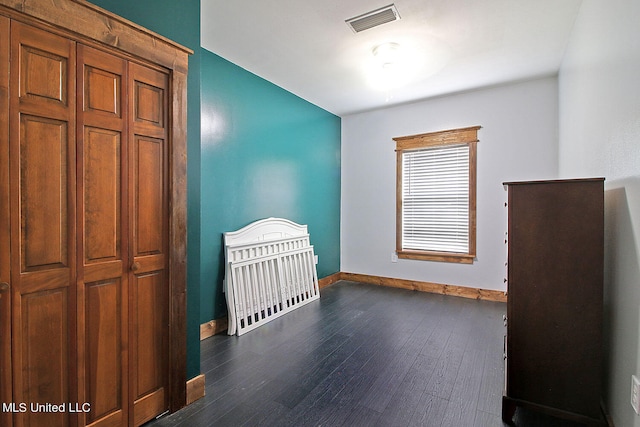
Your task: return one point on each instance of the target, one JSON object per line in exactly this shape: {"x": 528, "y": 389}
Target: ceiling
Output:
{"x": 445, "y": 46}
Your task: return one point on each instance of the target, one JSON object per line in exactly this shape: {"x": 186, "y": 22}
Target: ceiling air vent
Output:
{"x": 373, "y": 18}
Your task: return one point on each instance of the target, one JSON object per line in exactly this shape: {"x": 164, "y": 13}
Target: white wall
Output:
{"x": 518, "y": 141}
{"x": 599, "y": 95}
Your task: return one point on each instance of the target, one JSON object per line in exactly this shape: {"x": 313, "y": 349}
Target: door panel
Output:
{"x": 149, "y": 101}
{"x": 43, "y": 193}
{"x": 45, "y": 358}
{"x": 150, "y": 348}
{"x": 103, "y": 85}
{"x": 103, "y": 335}
{"x": 42, "y": 67}
{"x": 102, "y": 195}
{"x": 150, "y": 301}
{"x": 148, "y": 164}
{"x": 103, "y": 253}
{"x": 42, "y": 198}
{"x": 149, "y": 207}
{"x": 44, "y": 62}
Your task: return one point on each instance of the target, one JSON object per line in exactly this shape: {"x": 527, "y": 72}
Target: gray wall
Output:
{"x": 518, "y": 141}
{"x": 599, "y": 90}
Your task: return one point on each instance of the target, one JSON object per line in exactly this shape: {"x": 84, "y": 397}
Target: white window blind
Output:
{"x": 435, "y": 199}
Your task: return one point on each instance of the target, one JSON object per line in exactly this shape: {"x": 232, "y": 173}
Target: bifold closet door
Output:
{"x": 43, "y": 222}
{"x": 103, "y": 244}
{"x": 84, "y": 205}
{"x": 148, "y": 282}
{"x": 123, "y": 297}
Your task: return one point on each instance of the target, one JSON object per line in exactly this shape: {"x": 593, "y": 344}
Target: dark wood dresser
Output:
{"x": 555, "y": 298}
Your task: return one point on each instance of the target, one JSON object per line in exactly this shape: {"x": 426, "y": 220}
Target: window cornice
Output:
{"x": 452, "y": 136}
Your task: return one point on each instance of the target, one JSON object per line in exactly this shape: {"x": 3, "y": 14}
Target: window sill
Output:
{"x": 437, "y": 256}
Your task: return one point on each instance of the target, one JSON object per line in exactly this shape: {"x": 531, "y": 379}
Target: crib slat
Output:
{"x": 297, "y": 263}
{"x": 270, "y": 286}
{"x": 248, "y": 294}
{"x": 255, "y": 293}
{"x": 313, "y": 275}
{"x": 304, "y": 266}
{"x": 267, "y": 288}
{"x": 264, "y": 299}
{"x": 288, "y": 279}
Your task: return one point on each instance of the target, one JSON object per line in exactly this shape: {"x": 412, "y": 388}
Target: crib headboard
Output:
{"x": 270, "y": 270}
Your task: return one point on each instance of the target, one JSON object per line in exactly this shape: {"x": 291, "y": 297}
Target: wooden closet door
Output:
{"x": 5, "y": 236}
{"x": 148, "y": 282}
{"x": 103, "y": 256}
{"x": 88, "y": 202}
{"x": 42, "y": 181}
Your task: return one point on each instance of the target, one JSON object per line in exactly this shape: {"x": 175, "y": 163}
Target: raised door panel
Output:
{"x": 45, "y": 356}
{"x": 103, "y": 352}
{"x": 44, "y": 193}
{"x": 149, "y": 192}
{"x": 149, "y": 218}
{"x": 150, "y": 338}
{"x": 44, "y": 63}
{"x": 102, "y": 195}
{"x": 42, "y": 198}
{"x": 102, "y": 225}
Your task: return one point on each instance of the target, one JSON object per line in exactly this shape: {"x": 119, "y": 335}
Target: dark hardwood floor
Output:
{"x": 362, "y": 355}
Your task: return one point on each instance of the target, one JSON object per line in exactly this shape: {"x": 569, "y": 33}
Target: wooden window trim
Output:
{"x": 467, "y": 136}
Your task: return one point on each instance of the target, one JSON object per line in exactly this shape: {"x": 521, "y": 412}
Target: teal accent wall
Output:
{"x": 265, "y": 153}
{"x": 254, "y": 151}
{"x": 180, "y": 22}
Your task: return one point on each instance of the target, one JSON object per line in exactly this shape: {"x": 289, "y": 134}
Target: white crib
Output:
{"x": 270, "y": 270}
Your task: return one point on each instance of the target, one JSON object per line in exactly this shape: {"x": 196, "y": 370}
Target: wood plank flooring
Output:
{"x": 363, "y": 355}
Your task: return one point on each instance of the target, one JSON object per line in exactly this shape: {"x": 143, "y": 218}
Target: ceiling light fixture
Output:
{"x": 387, "y": 54}
{"x": 388, "y": 69}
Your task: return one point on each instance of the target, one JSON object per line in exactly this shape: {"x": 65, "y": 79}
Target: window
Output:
{"x": 436, "y": 196}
